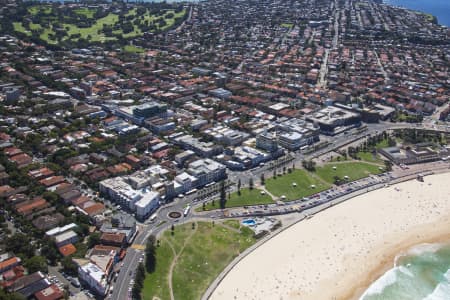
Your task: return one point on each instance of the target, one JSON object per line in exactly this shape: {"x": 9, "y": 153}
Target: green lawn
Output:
{"x": 207, "y": 252}
{"x": 84, "y": 11}
{"x": 354, "y": 170}
{"x": 382, "y": 144}
{"x": 156, "y": 283}
{"x": 34, "y": 10}
{"x": 19, "y": 28}
{"x": 283, "y": 185}
{"x": 232, "y": 223}
{"x": 287, "y": 25}
{"x": 93, "y": 33}
{"x": 247, "y": 197}
{"x": 369, "y": 157}
{"x": 133, "y": 49}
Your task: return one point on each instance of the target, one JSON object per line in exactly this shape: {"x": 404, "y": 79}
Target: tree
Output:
{"x": 250, "y": 183}
{"x": 388, "y": 165}
{"x": 263, "y": 181}
{"x": 223, "y": 196}
{"x": 10, "y": 296}
{"x": 35, "y": 264}
{"x": 150, "y": 253}
{"x": 69, "y": 266}
{"x": 337, "y": 180}
{"x": 140, "y": 275}
{"x": 239, "y": 187}
{"x": 49, "y": 250}
{"x": 94, "y": 239}
{"x": 20, "y": 244}
{"x": 136, "y": 292}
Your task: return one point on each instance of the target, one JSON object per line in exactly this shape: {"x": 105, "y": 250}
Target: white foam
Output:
{"x": 388, "y": 278}
{"x": 424, "y": 248}
{"x": 442, "y": 290}
{"x": 405, "y": 271}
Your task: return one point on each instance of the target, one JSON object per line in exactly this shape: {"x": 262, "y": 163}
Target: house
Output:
{"x": 48, "y": 221}
{"x": 53, "y": 292}
{"x": 113, "y": 239}
{"x": 8, "y": 264}
{"x": 68, "y": 237}
{"x": 67, "y": 250}
{"x": 30, "y": 284}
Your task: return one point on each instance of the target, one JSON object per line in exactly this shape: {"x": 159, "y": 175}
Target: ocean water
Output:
{"x": 422, "y": 273}
{"x": 438, "y": 8}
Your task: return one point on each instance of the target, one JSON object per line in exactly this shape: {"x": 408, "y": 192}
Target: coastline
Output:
{"x": 355, "y": 260}
{"x": 433, "y": 11}
{"x": 435, "y": 234}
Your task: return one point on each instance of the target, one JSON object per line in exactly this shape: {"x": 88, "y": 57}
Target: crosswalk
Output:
{"x": 138, "y": 246}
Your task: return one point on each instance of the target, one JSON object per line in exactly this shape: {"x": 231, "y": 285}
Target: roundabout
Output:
{"x": 174, "y": 214}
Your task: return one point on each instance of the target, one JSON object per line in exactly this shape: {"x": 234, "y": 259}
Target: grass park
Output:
{"x": 190, "y": 259}
{"x": 54, "y": 25}
{"x": 247, "y": 197}
{"x": 353, "y": 169}
{"x": 296, "y": 185}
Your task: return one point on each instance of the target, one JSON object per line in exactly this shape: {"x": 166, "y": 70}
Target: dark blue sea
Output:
{"x": 438, "y": 8}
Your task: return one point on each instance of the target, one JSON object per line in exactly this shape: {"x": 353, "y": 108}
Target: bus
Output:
{"x": 153, "y": 217}
{"x": 186, "y": 210}
{"x": 191, "y": 191}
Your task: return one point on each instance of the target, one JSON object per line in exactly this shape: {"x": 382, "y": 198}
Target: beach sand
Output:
{"x": 339, "y": 252}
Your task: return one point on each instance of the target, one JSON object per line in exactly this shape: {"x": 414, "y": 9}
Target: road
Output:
{"x": 163, "y": 221}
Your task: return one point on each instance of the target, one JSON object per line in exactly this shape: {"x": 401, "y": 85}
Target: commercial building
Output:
{"x": 147, "y": 204}
{"x": 135, "y": 192}
{"x": 267, "y": 141}
{"x": 150, "y": 109}
{"x": 203, "y": 149}
{"x": 207, "y": 171}
{"x": 227, "y": 136}
{"x": 296, "y": 133}
{"x": 221, "y": 93}
{"x": 333, "y": 120}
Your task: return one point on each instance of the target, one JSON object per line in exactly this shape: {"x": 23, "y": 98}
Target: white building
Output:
{"x": 122, "y": 192}
{"x": 67, "y": 237}
{"x": 207, "y": 171}
{"x": 184, "y": 182}
{"x": 94, "y": 277}
{"x": 147, "y": 204}
{"x": 59, "y": 230}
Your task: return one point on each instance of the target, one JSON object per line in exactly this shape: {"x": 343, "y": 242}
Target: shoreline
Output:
{"x": 442, "y": 235}
{"x": 343, "y": 277}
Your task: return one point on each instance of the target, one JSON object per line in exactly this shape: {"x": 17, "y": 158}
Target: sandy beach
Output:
{"x": 339, "y": 252}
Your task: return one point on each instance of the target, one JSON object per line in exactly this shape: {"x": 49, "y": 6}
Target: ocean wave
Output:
{"x": 442, "y": 290}
{"x": 387, "y": 279}
{"x": 424, "y": 248}
{"x": 418, "y": 250}
{"x": 405, "y": 271}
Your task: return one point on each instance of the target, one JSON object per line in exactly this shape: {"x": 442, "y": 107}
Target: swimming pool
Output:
{"x": 249, "y": 222}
